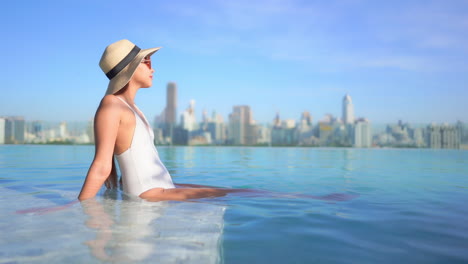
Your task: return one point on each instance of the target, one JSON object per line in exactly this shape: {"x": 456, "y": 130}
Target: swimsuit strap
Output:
{"x": 121, "y": 99}
{"x": 145, "y": 122}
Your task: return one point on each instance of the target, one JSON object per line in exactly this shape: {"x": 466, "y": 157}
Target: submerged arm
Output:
{"x": 181, "y": 194}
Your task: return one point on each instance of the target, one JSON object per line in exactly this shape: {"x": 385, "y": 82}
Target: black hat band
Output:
{"x": 119, "y": 67}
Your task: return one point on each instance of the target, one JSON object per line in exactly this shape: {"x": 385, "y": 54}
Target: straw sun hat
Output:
{"x": 120, "y": 60}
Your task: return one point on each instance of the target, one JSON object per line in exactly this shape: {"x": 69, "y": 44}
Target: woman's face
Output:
{"x": 144, "y": 73}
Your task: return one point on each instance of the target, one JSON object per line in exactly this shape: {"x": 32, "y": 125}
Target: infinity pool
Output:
{"x": 405, "y": 206}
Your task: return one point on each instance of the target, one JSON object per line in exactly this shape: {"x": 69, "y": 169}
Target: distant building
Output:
{"x": 158, "y": 136}
{"x": 277, "y": 121}
{"x": 35, "y": 132}
{"x": 166, "y": 121}
{"x": 286, "y": 134}
{"x": 263, "y": 135}
{"x": 306, "y": 119}
{"x": 37, "y": 128}
{"x": 418, "y": 137}
{"x": 171, "y": 103}
{"x": 325, "y": 133}
{"x": 444, "y": 136}
{"x": 288, "y": 123}
{"x": 242, "y": 128}
{"x": 217, "y": 129}
{"x": 462, "y": 129}
{"x": 362, "y": 134}
{"x": 14, "y": 130}
{"x": 326, "y": 130}
{"x": 305, "y": 130}
{"x": 2, "y": 130}
{"x": 401, "y": 134}
{"x": 188, "y": 126}
{"x": 342, "y": 135}
{"x": 63, "y": 132}
{"x": 188, "y": 119}
{"x": 90, "y": 130}
{"x": 200, "y": 137}
{"x": 348, "y": 110}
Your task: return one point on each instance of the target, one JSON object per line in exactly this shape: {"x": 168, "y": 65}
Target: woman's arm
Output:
{"x": 106, "y": 125}
{"x": 181, "y": 194}
{"x": 190, "y": 185}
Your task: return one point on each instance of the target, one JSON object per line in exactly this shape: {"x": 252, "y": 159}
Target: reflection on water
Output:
{"x": 133, "y": 230}
{"x": 112, "y": 229}
{"x": 121, "y": 228}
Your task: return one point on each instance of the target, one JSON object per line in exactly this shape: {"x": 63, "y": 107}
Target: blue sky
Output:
{"x": 397, "y": 59}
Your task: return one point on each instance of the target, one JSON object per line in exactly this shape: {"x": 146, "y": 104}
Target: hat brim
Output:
{"x": 124, "y": 76}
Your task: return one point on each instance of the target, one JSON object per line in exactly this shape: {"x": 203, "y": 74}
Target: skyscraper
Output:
{"x": 444, "y": 136}
{"x": 2, "y": 130}
{"x": 63, "y": 131}
{"x": 242, "y": 128}
{"x": 217, "y": 128}
{"x": 306, "y": 118}
{"x": 277, "y": 121}
{"x": 167, "y": 118}
{"x": 171, "y": 103}
{"x": 362, "y": 134}
{"x": 14, "y": 130}
{"x": 348, "y": 110}
{"x": 187, "y": 119}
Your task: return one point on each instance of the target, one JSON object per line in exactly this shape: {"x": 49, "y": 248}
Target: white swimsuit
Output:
{"x": 140, "y": 165}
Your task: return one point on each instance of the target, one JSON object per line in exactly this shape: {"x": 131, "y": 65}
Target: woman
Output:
{"x": 122, "y": 131}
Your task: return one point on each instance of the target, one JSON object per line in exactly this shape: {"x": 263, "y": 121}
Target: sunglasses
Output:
{"x": 147, "y": 62}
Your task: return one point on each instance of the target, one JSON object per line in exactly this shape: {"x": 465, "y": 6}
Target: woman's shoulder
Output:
{"x": 110, "y": 99}
{"x": 110, "y": 102}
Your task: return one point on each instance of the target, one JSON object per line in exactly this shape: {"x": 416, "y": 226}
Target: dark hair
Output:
{"x": 111, "y": 181}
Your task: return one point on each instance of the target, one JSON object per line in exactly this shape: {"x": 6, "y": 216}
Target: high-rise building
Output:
{"x": 171, "y": 103}
{"x": 277, "y": 121}
{"x": 188, "y": 126}
{"x": 35, "y": 132}
{"x": 187, "y": 119}
{"x": 37, "y": 128}
{"x": 305, "y": 129}
{"x": 63, "y": 131}
{"x": 462, "y": 129}
{"x": 168, "y": 116}
{"x": 284, "y": 132}
{"x": 20, "y": 127}
{"x": 325, "y": 135}
{"x": 418, "y": 137}
{"x": 14, "y": 130}
{"x": 242, "y": 128}
{"x": 444, "y": 136}
{"x": 434, "y": 137}
{"x": 216, "y": 128}
{"x": 306, "y": 119}
{"x": 90, "y": 130}
{"x": 263, "y": 135}
{"x": 362, "y": 133}
{"x": 348, "y": 110}
{"x": 2, "y": 130}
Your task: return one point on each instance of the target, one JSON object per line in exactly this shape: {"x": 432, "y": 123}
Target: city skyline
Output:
{"x": 242, "y": 129}
{"x": 399, "y": 60}
{"x": 199, "y": 114}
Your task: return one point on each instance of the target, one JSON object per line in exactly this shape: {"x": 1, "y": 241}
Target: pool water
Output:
{"x": 405, "y": 205}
